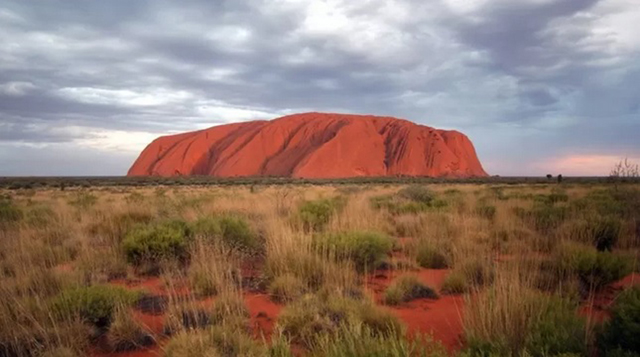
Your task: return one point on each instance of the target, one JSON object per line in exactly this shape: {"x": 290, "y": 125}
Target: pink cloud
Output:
{"x": 581, "y": 165}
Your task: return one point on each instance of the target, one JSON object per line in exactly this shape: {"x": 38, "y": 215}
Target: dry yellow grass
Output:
{"x": 491, "y": 237}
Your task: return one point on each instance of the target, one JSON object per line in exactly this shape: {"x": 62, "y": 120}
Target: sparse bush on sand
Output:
{"x": 365, "y": 249}
{"x": 407, "y": 288}
{"x": 620, "y": 334}
{"x": 315, "y": 215}
{"x": 154, "y": 242}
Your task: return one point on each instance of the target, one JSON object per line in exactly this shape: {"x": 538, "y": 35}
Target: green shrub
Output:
{"x": 595, "y": 270}
{"x": 605, "y": 233}
{"x": 550, "y": 326}
{"x": 365, "y": 249}
{"x": 94, "y": 304}
{"x": 620, "y": 333}
{"x": 428, "y": 256}
{"x": 543, "y": 217}
{"x": 234, "y": 231}
{"x": 9, "y": 213}
{"x": 556, "y": 197}
{"x": 407, "y": 288}
{"x": 557, "y": 330}
{"x": 152, "y": 243}
{"x": 83, "y": 200}
{"x": 40, "y": 216}
{"x": 486, "y": 211}
{"x": 306, "y": 320}
{"x": 417, "y": 193}
{"x": 286, "y": 288}
{"x": 409, "y": 200}
{"x": 314, "y": 215}
{"x": 468, "y": 274}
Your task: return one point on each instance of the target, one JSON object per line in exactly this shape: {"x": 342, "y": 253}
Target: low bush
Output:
{"x": 9, "y": 213}
{"x": 557, "y": 330}
{"x": 546, "y": 218}
{"x": 126, "y": 333}
{"x": 595, "y": 270}
{"x": 417, "y": 193}
{"x": 605, "y": 232}
{"x": 455, "y": 283}
{"x": 153, "y": 243}
{"x": 83, "y": 200}
{"x": 307, "y": 320}
{"x": 212, "y": 269}
{"x": 214, "y": 341}
{"x": 620, "y": 334}
{"x": 314, "y": 215}
{"x": 232, "y": 230}
{"x": 468, "y": 275}
{"x": 486, "y": 211}
{"x": 39, "y": 216}
{"x": 430, "y": 257}
{"x": 359, "y": 340}
{"x": 513, "y": 320}
{"x": 286, "y": 288}
{"x": 402, "y": 204}
{"x": 407, "y": 288}
{"x": 365, "y": 249}
{"x": 93, "y": 304}
{"x": 230, "y": 309}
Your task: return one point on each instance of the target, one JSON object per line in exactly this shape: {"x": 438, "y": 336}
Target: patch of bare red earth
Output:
{"x": 597, "y": 306}
{"x": 441, "y": 318}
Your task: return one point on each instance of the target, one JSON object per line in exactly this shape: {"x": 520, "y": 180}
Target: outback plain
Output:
{"x": 545, "y": 269}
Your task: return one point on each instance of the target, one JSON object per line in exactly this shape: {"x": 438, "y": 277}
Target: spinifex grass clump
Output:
{"x": 407, "y": 288}
{"x": 307, "y": 320}
{"x": 602, "y": 232}
{"x": 595, "y": 270}
{"x": 234, "y": 231}
{"x": 361, "y": 340}
{"x": 126, "y": 332}
{"x": 9, "y": 213}
{"x": 216, "y": 341}
{"x": 417, "y": 193}
{"x": 152, "y": 243}
{"x": 83, "y": 200}
{"x": 365, "y": 249}
{"x": 212, "y": 268}
{"x": 469, "y": 274}
{"x": 511, "y": 319}
{"x": 486, "y": 211}
{"x": 314, "y": 215}
{"x": 430, "y": 255}
{"x": 93, "y": 304}
{"x": 409, "y": 200}
{"x": 286, "y": 288}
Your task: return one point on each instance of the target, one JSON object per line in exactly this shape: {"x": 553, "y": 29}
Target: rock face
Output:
{"x": 312, "y": 145}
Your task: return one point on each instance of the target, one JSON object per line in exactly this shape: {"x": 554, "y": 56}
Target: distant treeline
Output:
{"x": 93, "y": 181}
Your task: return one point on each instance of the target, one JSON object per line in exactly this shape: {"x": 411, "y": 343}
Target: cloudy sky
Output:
{"x": 540, "y": 86}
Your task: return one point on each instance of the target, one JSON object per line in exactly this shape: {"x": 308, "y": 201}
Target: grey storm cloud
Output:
{"x": 528, "y": 81}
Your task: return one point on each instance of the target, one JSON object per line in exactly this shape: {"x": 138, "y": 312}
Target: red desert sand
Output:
{"x": 313, "y": 145}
